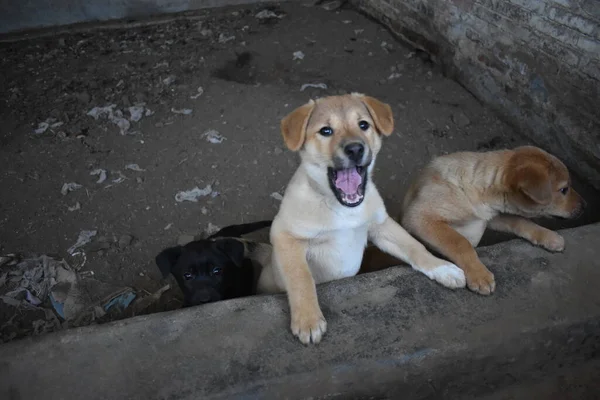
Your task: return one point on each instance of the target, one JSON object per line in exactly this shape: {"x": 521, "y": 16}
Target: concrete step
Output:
{"x": 391, "y": 334}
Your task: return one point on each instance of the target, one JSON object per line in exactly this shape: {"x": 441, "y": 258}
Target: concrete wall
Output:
{"x": 536, "y": 62}
{"x": 20, "y": 15}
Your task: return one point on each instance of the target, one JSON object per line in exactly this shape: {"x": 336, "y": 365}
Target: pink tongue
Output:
{"x": 348, "y": 180}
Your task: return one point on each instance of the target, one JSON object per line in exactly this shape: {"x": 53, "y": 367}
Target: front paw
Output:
{"x": 552, "y": 241}
{"x": 481, "y": 280}
{"x": 448, "y": 275}
{"x": 308, "y": 324}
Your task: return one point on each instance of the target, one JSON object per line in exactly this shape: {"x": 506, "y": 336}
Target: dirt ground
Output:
{"x": 250, "y": 76}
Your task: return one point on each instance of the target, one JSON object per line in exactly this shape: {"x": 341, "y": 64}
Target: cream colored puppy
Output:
{"x": 331, "y": 208}
{"x": 457, "y": 196}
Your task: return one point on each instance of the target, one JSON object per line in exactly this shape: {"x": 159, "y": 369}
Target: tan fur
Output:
{"x": 457, "y": 196}
{"x": 317, "y": 239}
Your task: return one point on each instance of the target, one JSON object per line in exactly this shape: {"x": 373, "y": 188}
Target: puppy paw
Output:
{"x": 308, "y": 325}
{"x": 552, "y": 241}
{"x": 448, "y": 275}
{"x": 481, "y": 281}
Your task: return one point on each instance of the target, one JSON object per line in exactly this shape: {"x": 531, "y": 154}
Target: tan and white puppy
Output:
{"x": 457, "y": 196}
{"x": 331, "y": 208}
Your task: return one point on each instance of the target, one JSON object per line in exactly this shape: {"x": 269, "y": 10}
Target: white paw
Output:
{"x": 309, "y": 326}
{"x": 448, "y": 275}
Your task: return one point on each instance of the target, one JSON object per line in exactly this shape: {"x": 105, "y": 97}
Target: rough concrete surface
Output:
{"x": 391, "y": 334}
{"x": 55, "y": 81}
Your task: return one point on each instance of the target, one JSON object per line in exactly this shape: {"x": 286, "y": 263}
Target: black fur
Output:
{"x": 212, "y": 269}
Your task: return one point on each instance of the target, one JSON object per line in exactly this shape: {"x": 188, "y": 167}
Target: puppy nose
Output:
{"x": 355, "y": 151}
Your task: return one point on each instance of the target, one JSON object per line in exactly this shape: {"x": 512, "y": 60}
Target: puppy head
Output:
{"x": 207, "y": 270}
{"x": 540, "y": 186}
{"x": 339, "y": 138}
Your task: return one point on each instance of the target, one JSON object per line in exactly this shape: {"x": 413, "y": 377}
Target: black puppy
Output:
{"x": 215, "y": 268}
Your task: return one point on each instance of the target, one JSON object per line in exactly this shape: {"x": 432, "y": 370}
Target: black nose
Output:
{"x": 355, "y": 151}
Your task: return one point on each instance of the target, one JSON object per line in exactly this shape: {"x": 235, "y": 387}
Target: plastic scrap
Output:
{"x": 313, "y": 85}
{"x": 76, "y": 207}
{"x": 224, "y": 38}
{"x": 200, "y": 92}
{"x": 84, "y": 238}
{"x": 298, "y": 55}
{"x": 48, "y": 123}
{"x": 101, "y": 174}
{"x": 69, "y": 187}
{"x": 267, "y": 14}
{"x": 277, "y": 196}
{"x": 136, "y": 113}
{"x": 183, "y": 111}
{"x": 113, "y": 115}
{"x": 134, "y": 167}
{"x": 213, "y": 136}
{"x": 194, "y": 194}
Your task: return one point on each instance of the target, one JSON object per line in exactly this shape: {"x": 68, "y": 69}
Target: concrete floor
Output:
{"x": 58, "y": 80}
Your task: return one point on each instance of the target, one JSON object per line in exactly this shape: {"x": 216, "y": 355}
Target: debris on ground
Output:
{"x": 268, "y": 14}
{"x": 211, "y": 229}
{"x": 223, "y": 38}
{"x": 213, "y": 136}
{"x": 194, "y": 194}
{"x": 136, "y": 113}
{"x": 147, "y": 301}
{"x": 313, "y": 85}
{"x": 113, "y": 115}
{"x": 76, "y": 207}
{"x": 101, "y": 174}
{"x": 277, "y": 196}
{"x": 84, "y": 238}
{"x": 29, "y": 282}
{"x": 298, "y": 55}
{"x": 199, "y": 92}
{"x": 69, "y": 187}
{"x": 168, "y": 226}
{"x": 182, "y": 111}
{"x": 332, "y": 5}
{"x": 49, "y": 123}
{"x": 134, "y": 167}
{"x": 169, "y": 80}
{"x": 83, "y": 299}
{"x": 120, "y": 179}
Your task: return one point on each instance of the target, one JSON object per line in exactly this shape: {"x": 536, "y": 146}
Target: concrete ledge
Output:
{"x": 22, "y": 15}
{"x": 390, "y": 333}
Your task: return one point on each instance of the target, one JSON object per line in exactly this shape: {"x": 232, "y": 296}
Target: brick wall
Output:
{"x": 536, "y": 62}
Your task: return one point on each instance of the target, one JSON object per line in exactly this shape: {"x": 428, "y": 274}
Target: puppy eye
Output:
{"x": 187, "y": 276}
{"x": 217, "y": 271}
{"x": 564, "y": 190}
{"x": 326, "y": 131}
{"x": 364, "y": 125}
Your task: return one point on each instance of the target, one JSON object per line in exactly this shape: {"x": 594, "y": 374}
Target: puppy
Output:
{"x": 456, "y": 197}
{"x": 216, "y": 268}
{"x": 331, "y": 207}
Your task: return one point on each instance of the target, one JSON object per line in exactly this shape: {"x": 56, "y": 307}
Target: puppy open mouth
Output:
{"x": 348, "y": 184}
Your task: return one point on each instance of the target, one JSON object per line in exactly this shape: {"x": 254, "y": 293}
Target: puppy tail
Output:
{"x": 241, "y": 229}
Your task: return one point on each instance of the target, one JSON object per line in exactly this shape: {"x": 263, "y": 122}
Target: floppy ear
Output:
{"x": 534, "y": 182}
{"x": 232, "y": 249}
{"x": 293, "y": 126}
{"x": 380, "y": 112}
{"x": 167, "y": 259}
